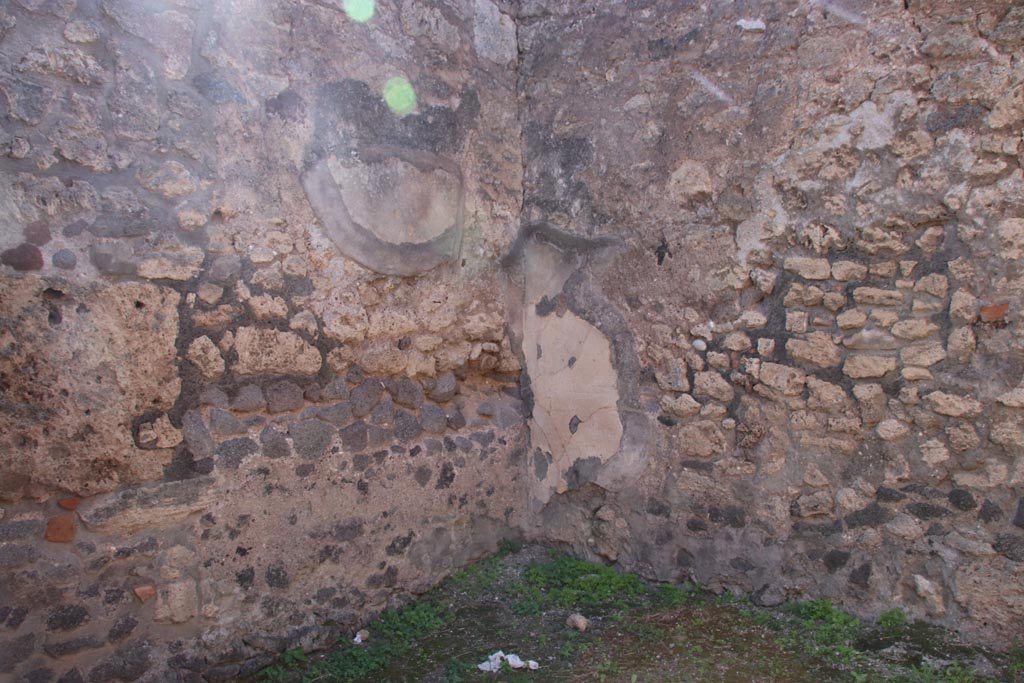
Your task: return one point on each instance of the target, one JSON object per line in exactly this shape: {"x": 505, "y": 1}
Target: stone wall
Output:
{"x": 228, "y": 425}
{"x": 810, "y": 217}
{"x": 299, "y": 312}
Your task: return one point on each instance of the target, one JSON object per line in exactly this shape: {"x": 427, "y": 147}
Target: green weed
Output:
{"x": 892, "y": 622}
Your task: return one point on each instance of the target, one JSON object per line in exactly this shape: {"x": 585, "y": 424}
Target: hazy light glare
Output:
{"x": 399, "y": 95}
{"x": 358, "y": 10}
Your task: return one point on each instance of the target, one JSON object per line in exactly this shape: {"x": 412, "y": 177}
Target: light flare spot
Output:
{"x": 399, "y": 96}
{"x": 359, "y": 10}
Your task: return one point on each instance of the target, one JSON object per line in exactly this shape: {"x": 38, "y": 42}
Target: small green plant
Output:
{"x": 892, "y": 622}
{"x": 568, "y": 582}
{"x": 954, "y": 673}
{"x": 1015, "y": 656}
{"x": 824, "y": 631}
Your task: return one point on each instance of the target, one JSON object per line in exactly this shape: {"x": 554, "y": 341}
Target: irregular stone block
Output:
{"x": 150, "y": 506}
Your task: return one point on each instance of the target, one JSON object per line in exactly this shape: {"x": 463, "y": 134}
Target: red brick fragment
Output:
{"x": 991, "y": 314}
{"x": 69, "y": 503}
{"x": 145, "y": 592}
{"x": 61, "y": 529}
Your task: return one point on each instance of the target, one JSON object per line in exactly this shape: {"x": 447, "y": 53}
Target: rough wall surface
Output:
{"x": 818, "y": 215}
{"x": 205, "y": 207}
{"x": 726, "y": 291}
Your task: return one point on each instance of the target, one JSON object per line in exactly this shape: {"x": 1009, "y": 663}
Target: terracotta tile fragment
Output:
{"x": 990, "y": 314}
{"x": 61, "y": 529}
{"x": 69, "y": 503}
{"x": 145, "y": 593}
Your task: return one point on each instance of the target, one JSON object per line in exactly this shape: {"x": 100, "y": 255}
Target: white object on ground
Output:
{"x": 751, "y": 24}
{"x": 493, "y": 663}
{"x": 361, "y": 636}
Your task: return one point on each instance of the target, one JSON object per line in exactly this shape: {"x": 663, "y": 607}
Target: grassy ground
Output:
{"x": 518, "y": 600}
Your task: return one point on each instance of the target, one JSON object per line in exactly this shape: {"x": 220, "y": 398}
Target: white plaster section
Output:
{"x": 587, "y": 389}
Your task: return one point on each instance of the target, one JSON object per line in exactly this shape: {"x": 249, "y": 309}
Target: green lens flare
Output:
{"x": 399, "y": 96}
{"x": 358, "y": 10}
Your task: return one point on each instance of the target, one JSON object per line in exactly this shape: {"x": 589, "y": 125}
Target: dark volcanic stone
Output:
{"x": 377, "y": 437}
{"x": 66, "y": 617}
{"x": 310, "y": 437}
{"x": 483, "y": 438}
{"x": 989, "y": 512}
{"x": 872, "y": 515}
{"x": 1018, "y": 518}
{"x": 962, "y": 499}
{"x": 861, "y": 575}
{"x": 197, "y": 436}
{"x": 71, "y": 676}
{"x": 406, "y": 392}
{"x": 433, "y": 419}
{"x": 888, "y": 495}
{"x": 275, "y": 445}
{"x": 926, "y": 511}
{"x": 42, "y": 675}
{"x": 407, "y": 427}
{"x": 64, "y": 259}
{"x": 122, "y": 628}
{"x": 284, "y": 396}
{"x": 835, "y": 560}
{"x": 71, "y": 647}
{"x": 213, "y": 396}
{"x": 336, "y": 390}
{"x": 23, "y": 257}
{"x": 456, "y": 420}
{"x": 447, "y": 476}
{"x": 658, "y": 508}
{"x": 232, "y": 452}
{"x": 128, "y": 663}
{"x": 444, "y": 387}
{"x": 365, "y": 396}
{"x": 223, "y": 423}
{"x": 338, "y": 414}
{"x": 14, "y": 652}
{"x": 277, "y": 577}
{"x": 249, "y": 399}
{"x": 353, "y": 437}
{"x": 21, "y": 529}
{"x": 732, "y": 515}
{"x": 383, "y": 413}
{"x": 1011, "y": 546}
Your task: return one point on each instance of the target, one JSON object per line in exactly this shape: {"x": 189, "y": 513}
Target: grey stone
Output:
{"x": 232, "y": 452}
{"x": 486, "y": 409}
{"x": 71, "y": 676}
{"x": 926, "y": 511}
{"x": 122, "y": 628}
{"x": 65, "y": 648}
{"x": 66, "y": 617}
{"x": 15, "y": 651}
{"x": 248, "y": 399}
{"x": 1018, "y": 518}
{"x": 872, "y": 515}
{"x": 134, "y": 100}
{"x": 128, "y": 663}
{"x": 353, "y": 437}
{"x": 21, "y": 529}
{"x": 336, "y": 390}
{"x": 225, "y": 270}
{"x": 962, "y": 499}
{"x": 213, "y": 396}
{"x": 112, "y": 259}
{"x": 275, "y": 445}
{"x": 1010, "y": 546}
{"x": 433, "y": 419}
{"x": 197, "y": 436}
{"x": 14, "y": 555}
{"x": 456, "y": 420}
{"x": 311, "y": 438}
{"x": 377, "y": 437}
{"x": 338, "y": 414}
{"x": 223, "y": 423}
{"x": 407, "y": 427}
{"x": 383, "y": 413}
{"x": 444, "y": 387}
{"x": 364, "y": 397}
{"x": 64, "y": 259}
{"x": 284, "y": 396}
{"x": 406, "y": 392}
{"x": 277, "y": 577}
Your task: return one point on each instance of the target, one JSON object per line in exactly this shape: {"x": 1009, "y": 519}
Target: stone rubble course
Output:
{"x": 735, "y": 298}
